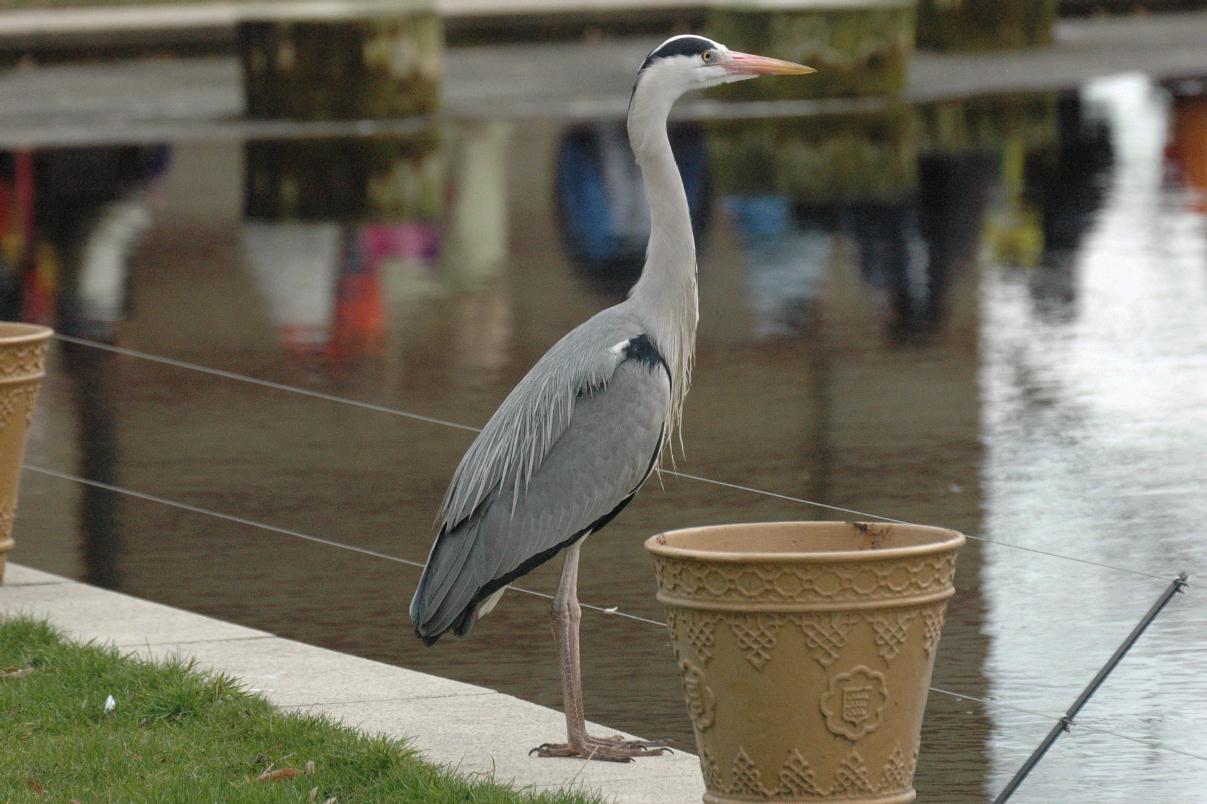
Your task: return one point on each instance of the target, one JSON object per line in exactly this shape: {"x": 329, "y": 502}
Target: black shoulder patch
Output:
{"x": 679, "y": 46}
{"x": 643, "y": 350}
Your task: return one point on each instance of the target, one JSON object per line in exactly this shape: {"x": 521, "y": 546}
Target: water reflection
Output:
{"x": 785, "y": 259}
{"x": 73, "y": 220}
{"x": 332, "y": 227}
{"x": 1186, "y": 153}
{"x": 1093, "y": 403}
{"x": 601, "y": 206}
{"x": 913, "y": 221}
{"x": 924, "y": 313}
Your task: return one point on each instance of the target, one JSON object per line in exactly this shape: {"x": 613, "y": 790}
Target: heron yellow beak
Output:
{"x": 749, "y": 64}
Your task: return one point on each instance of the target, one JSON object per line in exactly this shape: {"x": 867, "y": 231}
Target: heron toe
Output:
{"x": 604, "y": 749}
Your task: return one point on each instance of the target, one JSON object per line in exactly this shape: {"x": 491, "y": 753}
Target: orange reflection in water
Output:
{"x": 1187, "y": 150}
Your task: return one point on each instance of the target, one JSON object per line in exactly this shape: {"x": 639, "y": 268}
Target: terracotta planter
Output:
{"x": 22, "y": 366}
{"x": 806, "y": 651}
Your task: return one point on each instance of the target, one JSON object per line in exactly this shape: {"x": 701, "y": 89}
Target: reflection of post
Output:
{"x": 347, "y": 179}
{"x": 336, "y": 228}
{"x": 985, "y": 24}
{"x": 1065, "y": 180}
{"x": 476, "y": 244}
{"x": 1187, "y": 152}
{"x": 87, "y": 212}
{"x": 859, "y": 47}
{"x": 364, "y": 61}
{"x": 817, "y": 161}
{"x": 953, "y": 192}
{"x": 94, "y": 377}
{"x": 1007, "y": 129}
{"x": 817, "y": 167}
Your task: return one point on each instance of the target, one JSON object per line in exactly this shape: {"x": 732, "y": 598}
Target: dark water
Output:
{"x": 989, "y": 315}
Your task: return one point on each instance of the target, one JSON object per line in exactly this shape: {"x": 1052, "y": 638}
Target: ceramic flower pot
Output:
{"x": 22, "y": 366}
{"x": 806, "y": 651}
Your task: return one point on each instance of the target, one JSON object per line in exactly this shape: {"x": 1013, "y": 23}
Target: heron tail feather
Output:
{"x": 445, "y": 594}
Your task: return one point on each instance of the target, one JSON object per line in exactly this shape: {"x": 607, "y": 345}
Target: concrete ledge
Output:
{"x": 17, "y": 575}
{"x": 468, "y": 728}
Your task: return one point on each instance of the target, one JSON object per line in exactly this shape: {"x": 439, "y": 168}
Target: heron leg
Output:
{"x": 567, "y": 615}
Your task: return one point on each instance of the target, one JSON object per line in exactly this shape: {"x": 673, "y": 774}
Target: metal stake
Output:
{"x": 1065, "y": 722}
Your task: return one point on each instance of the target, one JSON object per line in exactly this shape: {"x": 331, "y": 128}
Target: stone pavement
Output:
{"x": 472, "y": 729}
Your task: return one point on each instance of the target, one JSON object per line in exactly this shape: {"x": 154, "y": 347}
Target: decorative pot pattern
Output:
{"x": 806, "y": 678}
{"x": 765, "y": 583}
{"x": 22, "y": 366}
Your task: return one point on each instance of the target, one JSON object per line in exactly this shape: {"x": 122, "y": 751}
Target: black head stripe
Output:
{"x": 679, "y": 46}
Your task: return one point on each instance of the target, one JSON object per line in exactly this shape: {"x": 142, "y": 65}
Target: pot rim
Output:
{"x": 23, "y": 333}
{"x": 951, "y": 540}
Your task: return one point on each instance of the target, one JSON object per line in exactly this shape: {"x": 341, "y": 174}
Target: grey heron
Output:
{"x": 577, "y": 437}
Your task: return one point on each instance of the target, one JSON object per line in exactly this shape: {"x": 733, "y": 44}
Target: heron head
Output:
{"x": 683, "y": 63}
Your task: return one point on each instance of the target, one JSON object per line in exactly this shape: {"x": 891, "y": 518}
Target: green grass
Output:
{"x": 177, "y": 734}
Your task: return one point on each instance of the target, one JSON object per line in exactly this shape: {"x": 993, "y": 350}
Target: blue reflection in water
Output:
{"x": 600, "y": 199}
{"x": 785, "y": 262}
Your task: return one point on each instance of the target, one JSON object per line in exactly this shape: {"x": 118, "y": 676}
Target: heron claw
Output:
{"x": 604, "y": 749}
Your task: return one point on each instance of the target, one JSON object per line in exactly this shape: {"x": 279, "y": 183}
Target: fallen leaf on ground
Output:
{"x": 110, "y": 703}
{"x": 34, "y": 786}
{"x": 314, "y": 794}
{"x": 15, "y": 672}
{"x": 278, "y": 774}
{"x": 310, "y": 768}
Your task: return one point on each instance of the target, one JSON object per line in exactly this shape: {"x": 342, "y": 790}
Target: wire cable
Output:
{"x": 1073, "y": 724}
{"x": 789, "y": 498}
{"x": 276, "y": 386}
{"x": 605, "y": 610}
{"x": 297, "y": 534}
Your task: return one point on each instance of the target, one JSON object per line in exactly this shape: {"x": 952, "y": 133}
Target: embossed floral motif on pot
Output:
{"x": 854, "y": 702}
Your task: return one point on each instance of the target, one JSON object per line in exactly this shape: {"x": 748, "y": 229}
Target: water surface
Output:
{"x": 1001, "y": 330}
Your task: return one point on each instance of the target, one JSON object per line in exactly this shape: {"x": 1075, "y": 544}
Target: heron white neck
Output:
{"x": 665, "y": 295}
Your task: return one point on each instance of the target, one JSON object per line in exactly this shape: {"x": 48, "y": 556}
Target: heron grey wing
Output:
{"x": 600, "y": 460}
{"x": 534, "y": 415}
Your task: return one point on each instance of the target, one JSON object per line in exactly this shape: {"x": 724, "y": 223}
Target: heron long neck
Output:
{"x": 665, "y": 295}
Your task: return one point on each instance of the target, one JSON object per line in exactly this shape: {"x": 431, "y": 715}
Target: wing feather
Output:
{"x": 530, "y": 420}
{"x": 600, "y": 457}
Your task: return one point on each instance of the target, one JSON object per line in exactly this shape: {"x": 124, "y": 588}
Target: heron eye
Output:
{"x": 707, "y": 56}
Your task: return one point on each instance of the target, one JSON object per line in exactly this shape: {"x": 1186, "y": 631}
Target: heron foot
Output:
{"x": 604, "y": 749}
